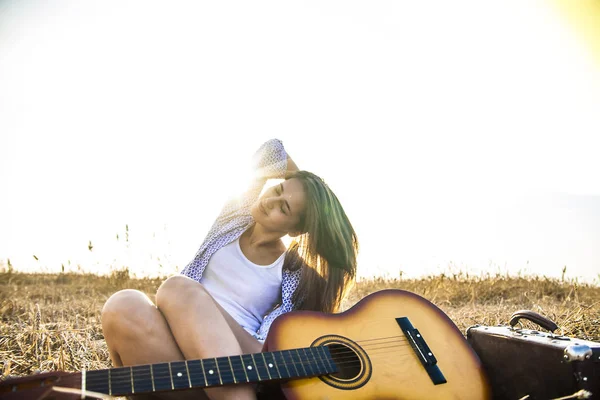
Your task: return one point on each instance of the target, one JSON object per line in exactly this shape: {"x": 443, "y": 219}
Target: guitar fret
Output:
{"x": 311, "y": 353}
{"x": 141, "y": 383}
{"x": 187, "y": 370}
{"x": 121, "y": 381}
{"x": 270, "y": 360}
{"x": 131, "y": 379}
{"x": 218, "y": 371}
{"x": 196, "y": 373}
{"x": 289, "y": 359}
{"x": 266, "y": 366}
{"x": 152, "y": 377}
{"x": 250, "y": 368}
{"x": 310, "y": 367}
{"x": 256, "y": 366}
{"x": 97, "y": 381}
{"x": 300, "y": 361}
{"x": 204, "y": 373}
{"x": 109, "y": 382}
{"x": 226, "y": 375}
{"x": 210, "y": 371}
{"x": 171, "y": 376}
{"x": 261, "y": 366}
{"x": 162, "y": 377}
{"x": 179, "y": 375}
{"x": 281, "y": 361}
{"x": 244, "y": 368}
{"x": 232, "y": 373}
{"x": 327, "y": 357}
{"x": 237, "y": 366}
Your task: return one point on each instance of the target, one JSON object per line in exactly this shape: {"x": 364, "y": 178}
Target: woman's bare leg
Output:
{"x": 202, "y": 329}
{"x": 137, "y": 333}
{"x": 191, "y": 326}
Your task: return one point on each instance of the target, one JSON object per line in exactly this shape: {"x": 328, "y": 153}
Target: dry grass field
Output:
{"x": 52, "y": 321}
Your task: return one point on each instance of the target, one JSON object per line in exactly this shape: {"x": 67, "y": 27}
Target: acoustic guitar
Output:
{"x": 392, "y": 344}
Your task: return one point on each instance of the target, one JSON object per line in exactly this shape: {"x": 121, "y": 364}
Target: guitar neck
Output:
{"x": 179, "y": 375}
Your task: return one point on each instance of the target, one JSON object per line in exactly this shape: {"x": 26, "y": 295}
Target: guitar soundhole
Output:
{"x": 347, "y": 361}
{"x": 352, "y": 362}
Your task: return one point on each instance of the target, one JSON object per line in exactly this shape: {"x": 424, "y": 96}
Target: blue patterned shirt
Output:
{"x": 270, "y": 162}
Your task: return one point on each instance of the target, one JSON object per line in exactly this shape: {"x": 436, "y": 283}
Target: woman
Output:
{"x": 241, "y": 273}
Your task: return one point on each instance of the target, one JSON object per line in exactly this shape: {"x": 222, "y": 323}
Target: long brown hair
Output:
{"x": 326, "y": 251}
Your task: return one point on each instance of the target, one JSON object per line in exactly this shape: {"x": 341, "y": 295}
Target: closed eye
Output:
{"x": 279, "y": 191}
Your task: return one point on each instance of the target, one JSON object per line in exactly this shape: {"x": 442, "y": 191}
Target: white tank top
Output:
{"x": 245, "y": 290}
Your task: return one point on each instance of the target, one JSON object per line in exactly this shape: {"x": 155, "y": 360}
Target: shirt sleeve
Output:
{"x": 270, "y": 161}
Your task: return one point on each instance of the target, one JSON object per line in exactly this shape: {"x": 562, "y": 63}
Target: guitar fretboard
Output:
{"x": 246, "y": 368}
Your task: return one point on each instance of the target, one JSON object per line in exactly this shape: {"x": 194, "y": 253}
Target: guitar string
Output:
{"x": 342, "y": 357}
{"x": 350, "y": 351}
{"x": 231, "y": 374}
{"x": 226, "y": 377}
{"x": 372, "y": 346}
{"x": 127, "y": 376}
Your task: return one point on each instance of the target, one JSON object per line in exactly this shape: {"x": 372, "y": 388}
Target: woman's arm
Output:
{"x": 270, "y": 161}
{"x": 291, "y": 165}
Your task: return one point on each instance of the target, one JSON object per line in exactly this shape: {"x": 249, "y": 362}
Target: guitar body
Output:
{"x": 379, "y": 362}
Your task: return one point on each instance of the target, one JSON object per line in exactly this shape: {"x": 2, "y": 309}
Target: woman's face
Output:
{"x": 281, "y": 206}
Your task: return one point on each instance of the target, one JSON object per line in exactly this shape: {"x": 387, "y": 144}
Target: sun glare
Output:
{"x": 120, "y": 146}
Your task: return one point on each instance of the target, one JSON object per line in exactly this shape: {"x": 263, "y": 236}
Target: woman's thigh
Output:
{"x": 189, "y": 308}
{"x": 248, "y": 343}
{"x": 136, "y": 331}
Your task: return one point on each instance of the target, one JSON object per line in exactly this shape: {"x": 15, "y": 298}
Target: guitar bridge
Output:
{"x": 423, "y": 352}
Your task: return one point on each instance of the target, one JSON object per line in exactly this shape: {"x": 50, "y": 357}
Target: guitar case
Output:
{"x": 529, "y": 364}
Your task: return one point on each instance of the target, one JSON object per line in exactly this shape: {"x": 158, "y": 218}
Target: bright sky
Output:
{"x": 458, "y": 135}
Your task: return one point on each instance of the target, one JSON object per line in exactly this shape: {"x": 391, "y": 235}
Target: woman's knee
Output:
{"x": 126, "y": 308}
{"x": 178, "y": 290}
